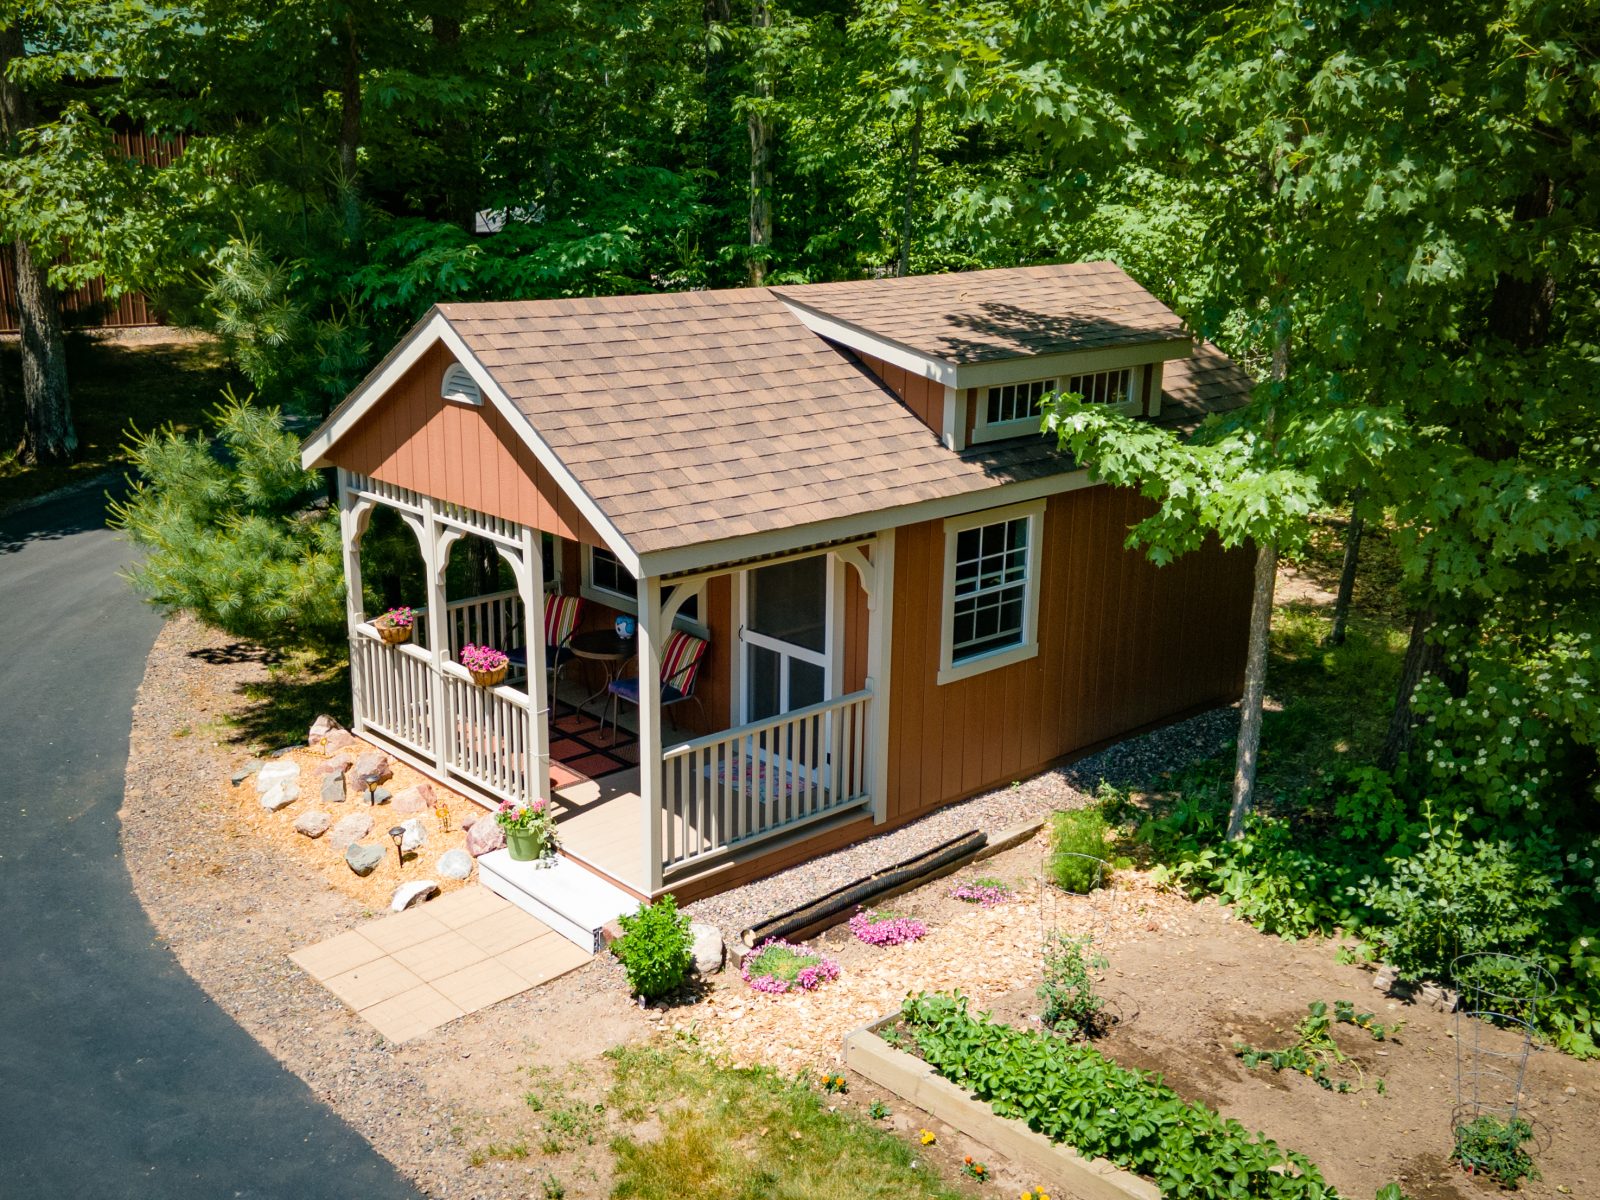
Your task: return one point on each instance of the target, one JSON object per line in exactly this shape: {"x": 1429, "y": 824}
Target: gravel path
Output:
{"x": 1134, "y": 761}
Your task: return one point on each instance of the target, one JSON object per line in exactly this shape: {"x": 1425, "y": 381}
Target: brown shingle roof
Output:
{"x": 697, "y": 416}
{"x": 980, "y": 316}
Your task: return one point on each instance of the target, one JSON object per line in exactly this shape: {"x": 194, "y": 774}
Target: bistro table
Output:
{"x": 605, "y": 647}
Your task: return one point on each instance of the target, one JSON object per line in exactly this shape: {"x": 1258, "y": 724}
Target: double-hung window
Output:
{"x": 607, "y": 581}
{"x": 991, "y": 590}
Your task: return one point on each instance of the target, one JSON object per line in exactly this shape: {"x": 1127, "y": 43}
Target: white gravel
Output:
{"x": 1136, "y": 760}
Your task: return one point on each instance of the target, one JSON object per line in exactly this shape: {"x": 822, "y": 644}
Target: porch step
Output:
{"x": 574, "y": 902}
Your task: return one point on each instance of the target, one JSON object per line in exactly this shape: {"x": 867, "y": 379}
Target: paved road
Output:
{"x": 118, "y": 1076}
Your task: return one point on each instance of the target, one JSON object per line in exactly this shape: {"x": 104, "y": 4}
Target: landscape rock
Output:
{"x": 371, "y": 769}
{"x": 454, "y": 864}
{"x": 338, "y": 740}
{"x": 1386, "y": 977}
{"x": 708, "y": 950}
{"x": 333, "y": 788}
{"x": 321, "y": 728}
{"x": 279, "y": 795}
{"x": 484, "y": 836}
{"x": 273, "y": 773}
{"x": 312, "y": 823}
{"x": 467, "y": 822}
{"x": 408, "y": 894}
{"x": 416, "y": 799}
{"x": 415, "y": 835}
{"x": 363, "y": 860}
{"x": 350, "y": 829}
{"x": 380, "y": 796}
{"x": 246, "y": 770}
{"x": 282, "y": 750}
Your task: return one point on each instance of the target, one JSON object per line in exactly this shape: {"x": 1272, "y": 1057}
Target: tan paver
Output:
{"x": 411, "y": 972}
{"x": 413, "y": 1012}
{"x": 337, "y": 955}
{"x": 484, "y": 983}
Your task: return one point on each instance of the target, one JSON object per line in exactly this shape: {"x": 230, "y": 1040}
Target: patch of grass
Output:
{"x": 112, "y": 383}
{"x": 737, "y": 1134}
{"x": 494, "y": 1150}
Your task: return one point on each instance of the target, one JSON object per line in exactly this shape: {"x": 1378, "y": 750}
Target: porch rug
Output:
{"x": 576, "y": 743}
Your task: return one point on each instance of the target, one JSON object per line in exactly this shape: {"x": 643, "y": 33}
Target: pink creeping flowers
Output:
{"x": 886, "y": 928}
{"x": 482, "y": 658}
{"x": 777, "y": 966}
{"x": 986, "y": 892}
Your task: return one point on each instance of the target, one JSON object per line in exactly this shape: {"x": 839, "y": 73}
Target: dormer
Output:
{"x": 972, "y": 353}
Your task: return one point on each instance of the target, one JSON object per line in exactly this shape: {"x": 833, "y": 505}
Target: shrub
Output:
{"x": 1078, "y": 850}
{"x": 655, "y": 948}
{"x": 1071, "y": 1005}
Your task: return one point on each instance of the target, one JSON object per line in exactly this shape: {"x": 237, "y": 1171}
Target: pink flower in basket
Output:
{"x": 482, "y": 658}
{"x": 400, "y": 618}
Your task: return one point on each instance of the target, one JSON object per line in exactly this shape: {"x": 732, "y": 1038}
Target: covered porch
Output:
{"x": 778, "y": 733}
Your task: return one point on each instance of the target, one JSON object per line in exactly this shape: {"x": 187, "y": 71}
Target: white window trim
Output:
{"x": 983, "y": 431}
{"x": 552, "y": 579}
{"x": 630, "y": 604}
{"x": 950, "y": 671}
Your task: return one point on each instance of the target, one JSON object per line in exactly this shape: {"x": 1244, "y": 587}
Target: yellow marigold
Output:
{"x": 929, "y": 1137}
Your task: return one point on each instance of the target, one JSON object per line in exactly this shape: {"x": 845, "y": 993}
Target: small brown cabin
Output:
{"x": 855, "y": 581}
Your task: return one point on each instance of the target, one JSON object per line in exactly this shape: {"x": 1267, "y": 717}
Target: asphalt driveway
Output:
{"x": 118, "y": 1076}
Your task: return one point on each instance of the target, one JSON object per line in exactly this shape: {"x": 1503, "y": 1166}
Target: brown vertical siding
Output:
{"x": 465, "y": 454}
{"x": 924, "y": 397}
{"x": 1122, "y": 644}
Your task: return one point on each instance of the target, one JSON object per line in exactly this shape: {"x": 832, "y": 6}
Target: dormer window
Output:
{"x": 1011, "y": 410}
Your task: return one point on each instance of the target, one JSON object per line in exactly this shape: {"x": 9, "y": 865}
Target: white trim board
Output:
{"x": 427, "y": 333}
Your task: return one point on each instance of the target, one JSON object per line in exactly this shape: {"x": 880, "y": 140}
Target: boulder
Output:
{"x": 312, "y": 823}
{"x": 350, "y": 829}
{"x": 244, "y": 771}
{"x": 414, "y": 835}
{"x": 333, "y": 788}
{"x": 467, "y": 822}
{"x": 416, "y": 799}
{"x": 408, "y": 894}
{"x": 279, "y": 795}
{"x": 454, "y": 864}
{"x": 338, "y": 740}
{"x": 484, "y": 836}
{"x": 379, "y": 796}
{"x": 363, "y": 860}
{"x": 273, "y": 773}
{"x": 321, "y": 728}
{"x": 708, "y": 949}
{"x": 371, "y": 769}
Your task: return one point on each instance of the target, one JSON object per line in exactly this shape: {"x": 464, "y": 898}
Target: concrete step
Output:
{"x": 573, "y": 901}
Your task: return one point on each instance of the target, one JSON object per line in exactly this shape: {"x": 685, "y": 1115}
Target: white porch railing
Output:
{"x": 762, "y": 779}
{"x": 488, "y": 735}
{"x": 393, "y": 689}
{"x": 484, "y": 620}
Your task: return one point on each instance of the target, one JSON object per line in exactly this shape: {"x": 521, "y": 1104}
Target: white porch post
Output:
{"x": 435, "y": 549}
{"x": 652, "y": 636}
{"x": 352, "y": 521}
{"x": 531, "y": 579}
{"x": 880, "y": 651}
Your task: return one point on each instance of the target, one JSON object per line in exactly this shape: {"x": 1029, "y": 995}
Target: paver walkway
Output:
{"x": 411, "y": 972}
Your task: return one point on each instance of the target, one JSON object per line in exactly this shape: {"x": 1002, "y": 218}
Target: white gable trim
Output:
{"x": 923, "y": 365}
{"x": 423, "y": 337}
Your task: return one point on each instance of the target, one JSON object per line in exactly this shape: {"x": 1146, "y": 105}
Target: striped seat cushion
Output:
{"x": 680, "y": 661}
{"x": 560, "y": 617}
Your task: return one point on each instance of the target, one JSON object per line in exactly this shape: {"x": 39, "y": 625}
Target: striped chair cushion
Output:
{"x": 560, "y": 616}
{"x": 680, "y": 661}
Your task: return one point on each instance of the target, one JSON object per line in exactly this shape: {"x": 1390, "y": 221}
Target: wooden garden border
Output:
{"x": 917, "y": 1083}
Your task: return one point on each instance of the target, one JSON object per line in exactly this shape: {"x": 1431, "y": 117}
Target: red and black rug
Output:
{"x": 577, "y": 744}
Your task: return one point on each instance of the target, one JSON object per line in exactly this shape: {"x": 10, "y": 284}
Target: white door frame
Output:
{"x": 825, "y": 658}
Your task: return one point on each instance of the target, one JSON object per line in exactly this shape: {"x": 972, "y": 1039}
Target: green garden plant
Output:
{"x": 1072, "y": 1007}
{"x": 1076, "y": 861}
{"x": 1314, "y": 1053}
{"x": 1487, "y": 1145}
{"x": 655, "y": 948}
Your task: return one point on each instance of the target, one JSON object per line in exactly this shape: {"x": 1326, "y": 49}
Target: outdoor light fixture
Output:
{"x": 398, "y": 834}
{"x": 372, "y": 794}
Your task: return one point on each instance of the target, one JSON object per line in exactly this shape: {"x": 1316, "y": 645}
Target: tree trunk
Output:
{"x": 47, "y": 432}
{"x": 350, "y": 130}
{"x": 913, "y": 157}
{"x": 1347, "y": 576}
{"x": 1255, "y": 689}
{"x": 1423, "y": 658}
{"x": 760, "y": 155}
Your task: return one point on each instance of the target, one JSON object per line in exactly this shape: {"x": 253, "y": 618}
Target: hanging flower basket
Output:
{"x": 395, "y": 626}
{"x": 485, "y": 664}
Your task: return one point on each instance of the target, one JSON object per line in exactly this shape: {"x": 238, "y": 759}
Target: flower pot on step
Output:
{"x": 525, "y": 845}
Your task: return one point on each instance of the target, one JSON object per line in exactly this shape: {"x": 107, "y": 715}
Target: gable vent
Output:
{"x": 459, "y": 385}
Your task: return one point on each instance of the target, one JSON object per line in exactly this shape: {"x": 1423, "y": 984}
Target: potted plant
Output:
{"x": 487, "y": 665}
{"x": 530, "y": 830}
{"x": 395, "y": 625}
